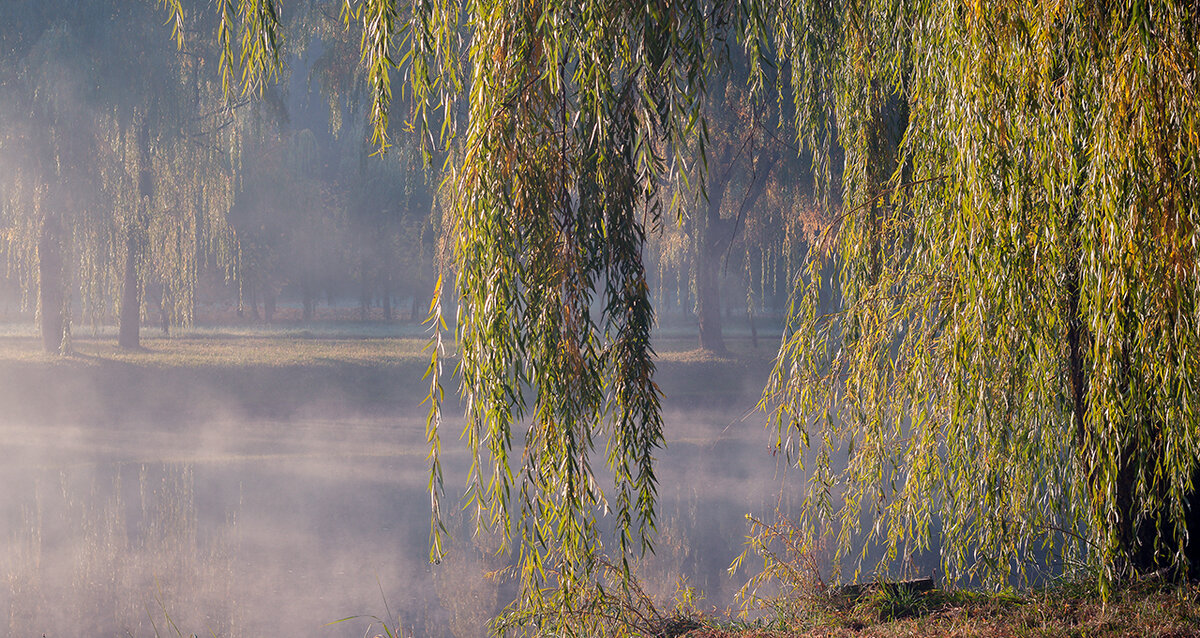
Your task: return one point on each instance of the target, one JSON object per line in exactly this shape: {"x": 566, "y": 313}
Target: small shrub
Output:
{"x": 789, "y": 585}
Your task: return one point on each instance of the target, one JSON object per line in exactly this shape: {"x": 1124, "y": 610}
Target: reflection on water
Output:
{"x": 89, "y": 556}
{"x": 278, "y": 529}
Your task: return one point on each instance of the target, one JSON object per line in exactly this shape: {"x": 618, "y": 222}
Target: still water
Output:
{"x": 262, "y": 527}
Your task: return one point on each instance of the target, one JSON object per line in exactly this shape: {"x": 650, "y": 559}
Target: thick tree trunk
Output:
{"x": 250, "y": 298}
{"x": 1147, "y": 538}
{"x": 364, "y": 293}
{"x": 50, "y": 284}
{"x": 131, "y": 303}
{"x": 416, "y": 313}
{"x": 309, "y": 302}
{"x": 129, "y": 333}
{"x": 711, "y": 245}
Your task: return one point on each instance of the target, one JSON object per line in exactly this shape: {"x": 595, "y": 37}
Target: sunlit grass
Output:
{"x": 370, "y": 344}
{"x": 1065, "y": 611}
{"x": 224, "y": 348}
{"x": 280, "y": 351}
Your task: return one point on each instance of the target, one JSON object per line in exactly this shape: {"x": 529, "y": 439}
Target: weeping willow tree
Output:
{"x": 997, "y": 346}
{"x": 120, "y": 179}
{"x": 168, "y": 162}
{"x": 46, "y": 184}
{"x": 754, "y": 215}
{"x": 996, "y": 339}
{"x": 167, "y": 197}
{"x": 572, "y": 110}
{"x": 574, "y": 113}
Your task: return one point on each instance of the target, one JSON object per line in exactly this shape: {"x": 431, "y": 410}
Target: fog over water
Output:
{"x": 148, "y": 493}
{"x": 231, "y": 524}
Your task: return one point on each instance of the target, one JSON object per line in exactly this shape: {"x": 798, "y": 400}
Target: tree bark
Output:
{"x": 309, "y": 301}
{"x": 364, "y": 293}
{"x": 713, "y": 238}
{"x": 129, "y": 335}
{"x": 50, "y": 283}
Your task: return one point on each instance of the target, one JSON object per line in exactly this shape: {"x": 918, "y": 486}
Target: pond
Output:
{"x": 235, "y": 526}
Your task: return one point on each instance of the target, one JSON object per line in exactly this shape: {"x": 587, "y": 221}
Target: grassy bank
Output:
{"x": 278, "y": 373}
{"x": 192, "y": 378}
{"x": 1066, "y": 611}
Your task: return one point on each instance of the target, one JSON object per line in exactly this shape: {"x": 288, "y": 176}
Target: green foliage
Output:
{"x": 889, "y": 601}
{"x": 549, "y": 192}
{"x": 1010, "y": 355}
{"x": 111, "y": 160}
{"x": 611, "y": 605}
{"x": 996, "y": 337}
{"x": 790, "y": 583}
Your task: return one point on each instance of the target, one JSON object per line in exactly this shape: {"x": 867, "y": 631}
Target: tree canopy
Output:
{"x": 1012, "y": 356}
{"x": 117, "y": 180}
{"x": 996, "y": 337}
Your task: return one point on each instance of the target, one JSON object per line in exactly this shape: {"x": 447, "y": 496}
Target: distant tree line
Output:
{"x": 131, "y": 174}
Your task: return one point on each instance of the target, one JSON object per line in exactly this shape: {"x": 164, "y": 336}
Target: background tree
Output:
{"x": 749, "y": 200}
{"x": 49, "y": 187}
{"x": 389, "y": 197}
{"x": 123, "y": 180}
{"x": 281, "y": 204}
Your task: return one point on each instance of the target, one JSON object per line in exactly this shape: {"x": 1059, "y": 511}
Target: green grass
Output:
{"x": 316, "y": 343}
{"x": 1064, "y": 611}
{"x": 280, "y": 372}
{"x": 226, "y": 350}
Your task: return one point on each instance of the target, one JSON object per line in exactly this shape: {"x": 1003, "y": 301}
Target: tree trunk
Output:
{"x": 268, "y": 304}
{"x": 753, "y": 330}
{"x": 715, "y": 238}
{"x": 364, "y": 293}
{"x": 711, "y": 245}
{"x": 251, "y": 297}
{"x": 131, "y": 303}
{"x": 1148, "y": 539}
{"x": 164, "y": 315}
{"x": 129, "y": 335}
{"x": 415, "y": 314}
{"x": 309, "y": 302}
{"x": 50, "y": 280}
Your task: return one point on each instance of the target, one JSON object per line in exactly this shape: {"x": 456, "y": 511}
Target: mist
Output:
{"x": 211, "y": 352}
{"x": 226, "y": 505}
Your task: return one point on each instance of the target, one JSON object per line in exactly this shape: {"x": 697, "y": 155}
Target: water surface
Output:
{"x": 241, "y": 525}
